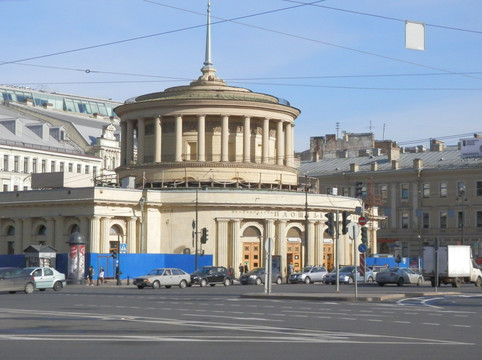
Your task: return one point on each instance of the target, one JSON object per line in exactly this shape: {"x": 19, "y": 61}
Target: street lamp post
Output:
{"x": 462, "y": 199}
{"x": 306, "y": 220}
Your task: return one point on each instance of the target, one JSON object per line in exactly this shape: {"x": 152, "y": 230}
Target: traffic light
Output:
{"x": 364, "y": 235}
{"x": 204, "y": 236}
{"x": 345, "y": 221}
{"x": 330, "y": 223}
{"x": 113, "y": 254}
{"x": 358, "y": 189}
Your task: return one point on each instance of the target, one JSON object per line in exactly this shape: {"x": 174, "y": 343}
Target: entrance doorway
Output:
{"x": 293, "y": 253}
{"x": 252, "y": 254}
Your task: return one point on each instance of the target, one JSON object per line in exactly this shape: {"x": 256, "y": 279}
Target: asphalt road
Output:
{"x": 122, "y": 322}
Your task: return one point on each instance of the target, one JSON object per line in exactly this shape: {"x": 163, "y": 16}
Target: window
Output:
{"x": 71, "y": 167}
{"x": 443, "y": 219}
{"x": 5, "y": 163}
{"x": 443, "y": 189}
{"x": 94, "y": 171}
{"x": 404, "y": 220}
{"x": 79, "y": 168}
{"x": 11, "y": 248}
{"x": 16, "y": 160}
{"x": 426, "y": 191}
{"x": 25, "y": 165}
{"x": 62, "y": 166}
{"x": 426, "y": 220}
{"x": 460, "y": 189}
{"x": 479, "y": 219}
{"x": 87, "y": 169}
{"x": 478, "y": 188}
{"x": 34, "y": 165}
{"x": 404, "y": 191}
{"x": 383, "y": 191}
{"x": 5, "y": 187}
{"x": 345, "y": 191}
{"x": 44, "y": 165}
{"x": 52, "y": 166}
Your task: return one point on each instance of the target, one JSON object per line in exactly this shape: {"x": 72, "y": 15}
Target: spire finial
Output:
{"x": 207, "y": 58}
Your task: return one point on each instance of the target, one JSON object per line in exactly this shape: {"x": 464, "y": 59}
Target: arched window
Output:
{"x": 42, "y": 230}
{"x": 75, "y": 228}
{"x": 10, "y": 231}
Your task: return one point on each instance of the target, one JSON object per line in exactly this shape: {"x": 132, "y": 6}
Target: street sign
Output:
{"x": 362, "y": 221}
{"x": 123, "y": 248}
{"x": 269, "y": 245}
{"x": 353, "y": 230}
{"x": 362, "y": 248}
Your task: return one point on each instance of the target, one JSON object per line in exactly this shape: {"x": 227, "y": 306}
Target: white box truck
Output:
{"x": 455, "y": 265}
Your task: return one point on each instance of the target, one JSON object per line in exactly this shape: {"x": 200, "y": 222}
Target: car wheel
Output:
{"x": 167, "y": 286}
{"x": 227, "y": 282}
{"x": 258, "y": 281}
{"x": 381, "y": 284}
{"x": 400, "y": 282}
{"x": 156, "y": 285}
{"x": 419, "y": 282}
{"x": 183, "y": 284}
{"x": 478, "y": 282}
{"x": 307, "y": 280}
{"x": 140, "y": 287}
{"x": 278, "y": 281}
{"x": 457, "y": 282}
{"x": 203, "y": 282}
{"x": 29, "y": 288}
{"x": 57, "y": 286}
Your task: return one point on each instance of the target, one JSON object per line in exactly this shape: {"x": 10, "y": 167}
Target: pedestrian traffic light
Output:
{"x": 358, "y": 189}
{"x": 364, "y": 235}
{"x": 345, "y": 221}
{"x": 204, "y": 235}
{"x": 330, "y": 223}
{"x": 113, "y": 254}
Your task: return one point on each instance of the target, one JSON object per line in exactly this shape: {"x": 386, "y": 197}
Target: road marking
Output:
{"x": 431, "y": 324}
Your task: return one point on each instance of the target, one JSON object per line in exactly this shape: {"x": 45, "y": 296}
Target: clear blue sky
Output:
{"x": 338, "y": 61}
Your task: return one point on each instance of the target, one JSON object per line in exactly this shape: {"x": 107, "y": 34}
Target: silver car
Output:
{"x": 166, "y": 277}
{"x": 16, "y": 279}
{"x": 347, "y": 276}
{"x": 308, "y": 275}
{"x": 47, "y": 278}
{"x": 399, "y": 276}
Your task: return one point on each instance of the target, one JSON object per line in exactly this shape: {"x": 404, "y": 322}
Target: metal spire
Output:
{"x": 207, "y": 58}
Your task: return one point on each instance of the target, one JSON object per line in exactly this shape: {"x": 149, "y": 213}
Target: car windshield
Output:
{"x": 394, "y": 269}
{"x": 307, "y": 269}
{"x": 156, "y": 272}
{"x": 203, "y": 270}
{"x": 255, "y": 271}
{"x": 346, "y": 269}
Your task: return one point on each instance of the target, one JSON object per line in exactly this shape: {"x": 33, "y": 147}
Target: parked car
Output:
{"x": 211, "y": 275}
{"x": 399, "y": 276}
{"x": 308, "y": 275}
{"x": 166, "y": 277}
{"x": 47, "y": 278}
{"x": 16, "y": 279}
{"x": 347, "y": 276}
{"x": 256, "y": 276}
{"x": 377, "y": 269}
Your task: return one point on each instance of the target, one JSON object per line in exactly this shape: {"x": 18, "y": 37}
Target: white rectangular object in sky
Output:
{"x": 414, "y": 35}
{"x": 471, "y": 148}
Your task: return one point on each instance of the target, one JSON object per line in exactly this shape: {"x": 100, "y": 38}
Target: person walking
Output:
{"x": 241, "y": 270}
{"x": 290, "y": 271}
{"x": 101, "y": 275}
{"x": 90, "y": 276}
{"x": 246, "y": 268}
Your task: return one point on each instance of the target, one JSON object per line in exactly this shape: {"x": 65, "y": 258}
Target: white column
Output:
{"x": 280, "y": 143}
{"x": 280, "y": 244}
{"x": 311, "y": 243}
{"x": 123, "y": 143}
{"x": 94, "y": 232}
{"x": 158, "y": 135}
{"x": 105, "y": 235}
{"x": 131, "y": 235}
{"x": 178, "y": 153}
{"x": 247, "y": 139}
{"x": 265, "y": 159}
{"x": 201, "y": 138}
{"x": 222, "y": 243}
{"x": 140, "y": 140}
{"x": 319, "y": 249}
{"x": 235, "y": 244}
{"x": 130, "y": 142}
{"x": 269, "y": 232}
{"x": 289, "y": 155}
{"x": 224, "y": 137}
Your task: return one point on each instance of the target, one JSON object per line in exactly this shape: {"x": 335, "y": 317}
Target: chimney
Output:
{"x": 374, "y": 166}
{"x": 395, "y": 165}
{"x": 354, "y": 167}
{"x": 417, "y": 163}
{"x": 393, "y": 154}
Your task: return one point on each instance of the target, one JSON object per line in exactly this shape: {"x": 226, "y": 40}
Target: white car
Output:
{"x": 308, "y": 275}
{"x": 47, "y": 278}
{"x": 163, "y": 277}
{"x": 399, "y": 276}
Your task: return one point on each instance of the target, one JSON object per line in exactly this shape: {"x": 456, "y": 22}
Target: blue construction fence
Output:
{"x": 130, "y": 265}
{"x": 405, "y": 262}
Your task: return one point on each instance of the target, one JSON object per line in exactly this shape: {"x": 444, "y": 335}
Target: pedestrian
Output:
{"x": 241, "y": 270}
{"x": 90, "y": 276}
{"x": 101, "y": 275}
{"x": 290, "y": 271}
{"x": 245, "y": 268}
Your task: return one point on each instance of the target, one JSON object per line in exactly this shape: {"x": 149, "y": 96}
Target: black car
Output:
{"x": 15, "y": 279}
{"x": 257, "y": 275}
{"x": 211, "y": 275}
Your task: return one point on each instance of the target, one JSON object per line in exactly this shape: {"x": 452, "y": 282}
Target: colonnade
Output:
{"x": 283, "y": 139}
